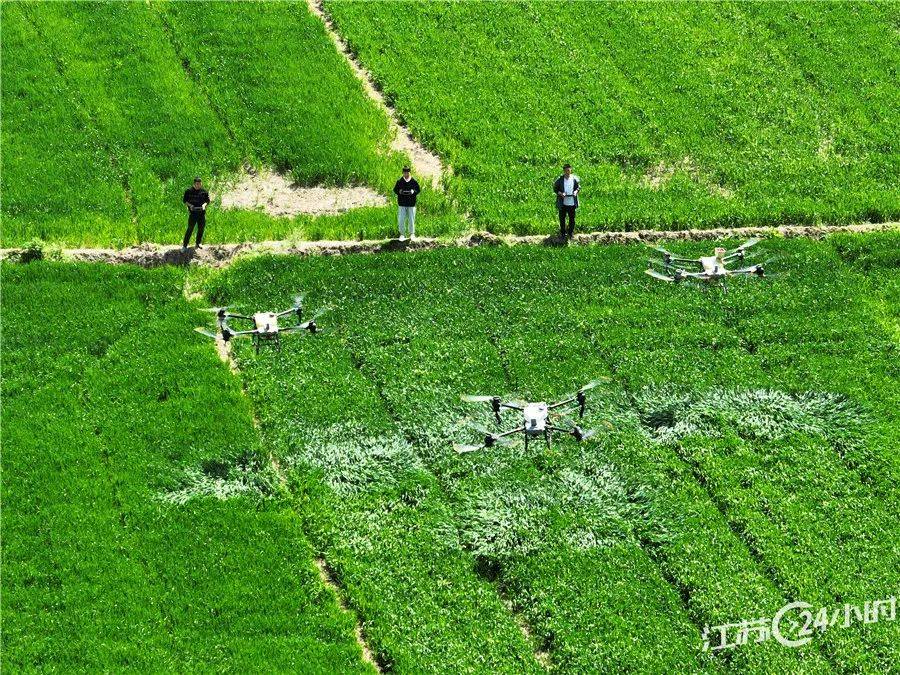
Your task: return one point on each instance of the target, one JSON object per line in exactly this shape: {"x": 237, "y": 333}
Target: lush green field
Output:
{"x": 673, "y": 114}
{"x": 110, "y": 109}
{"x": 747, "y": 455}
{"x": 109, "y": 405}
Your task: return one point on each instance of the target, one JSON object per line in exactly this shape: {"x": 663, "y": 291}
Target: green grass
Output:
{"x": 109, "y": 403}
{"x": 747, "y": 455}
{"x": 110, "y": 109}
{"x": 746, "y": 458}
{"x": 673, "y": 114}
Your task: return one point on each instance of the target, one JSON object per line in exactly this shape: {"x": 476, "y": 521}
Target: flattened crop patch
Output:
{"x": 353, "y": 461}
{"x": 222, "y": 481}
{"x": 754, "y": 414}
{"x": 574, "y": 509}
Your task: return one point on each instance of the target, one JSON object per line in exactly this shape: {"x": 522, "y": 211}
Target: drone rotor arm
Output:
{"x": 306, "y": 325}
{"x": 759, "y": 270}
{"x": 687, "y": 261}
{"x": 560, "y": 404}
{"x": 517, "y": 430}
{"x": 489, "y": 440}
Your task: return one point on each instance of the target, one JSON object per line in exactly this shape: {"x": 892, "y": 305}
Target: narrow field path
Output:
{"x": 220, "y": 255}
{"x": 326, "y": 576}
{"x": 424, "y": 162}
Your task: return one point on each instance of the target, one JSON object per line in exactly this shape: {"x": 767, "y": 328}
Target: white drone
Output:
{"x": 713, "y": 268}
{"x": 265, "y": 324}
{"x": 538, "y": 419}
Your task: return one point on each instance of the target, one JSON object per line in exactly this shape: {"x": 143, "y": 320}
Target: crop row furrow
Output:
{"x": 377, "y": 515}
{"x": 191, "y": 74}
{"x": 91, "y": 124}
{"x": 541, "y": 651}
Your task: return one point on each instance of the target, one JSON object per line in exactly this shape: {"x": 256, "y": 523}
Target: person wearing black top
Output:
{"x": 566, "y": 188}
{"x": 195, "y": 200}
{"x": 406, "y": 189}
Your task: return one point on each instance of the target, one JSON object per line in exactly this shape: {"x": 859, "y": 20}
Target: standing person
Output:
{"x": 406, "y": 189}
{"x": 195, "y": 199}
{"x": 566, "y": 188}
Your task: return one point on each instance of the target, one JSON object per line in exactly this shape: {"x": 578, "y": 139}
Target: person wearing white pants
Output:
{"x": 406, "y": 189}
{"x": 406, "y": 221}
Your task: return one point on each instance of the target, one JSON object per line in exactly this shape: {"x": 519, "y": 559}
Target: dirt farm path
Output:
{"x": 425, "y": 163}
{"x": 220, "y": 255}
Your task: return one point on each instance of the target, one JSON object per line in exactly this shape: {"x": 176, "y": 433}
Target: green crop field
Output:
{"x": 112, "y": 416}
{"x": 746, "y": 457}
{"x": 171, "y": 504}
{"x": 110, "y": 109}
{"x": 674, "y": 114}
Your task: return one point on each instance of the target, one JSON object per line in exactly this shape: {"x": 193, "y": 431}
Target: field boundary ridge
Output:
{"x": 220, "y": 255}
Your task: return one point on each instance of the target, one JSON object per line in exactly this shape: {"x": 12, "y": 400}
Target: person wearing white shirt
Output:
{"x": 566, "y": 188}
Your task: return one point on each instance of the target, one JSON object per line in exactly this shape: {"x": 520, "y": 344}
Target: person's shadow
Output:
{"x": 394, "y": 245}
{"x": 178, "y": 256}
{"x": 555, "y": 240}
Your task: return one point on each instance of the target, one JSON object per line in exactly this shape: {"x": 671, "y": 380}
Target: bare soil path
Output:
{"x": 425, "y": 163}
{"x": 220, "y": 255}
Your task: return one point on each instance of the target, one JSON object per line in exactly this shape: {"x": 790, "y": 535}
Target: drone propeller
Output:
{"x": 319, "y": 312}
{"x": 583, "y": 434}
{"x": 595, "y": 383}
{"x": 660, "y": 249}
{"x": 580, "y": 397}
{"x": 462, "y": 449}
{"x": 482, "y": 430}
{"x": 205, "y": 332}
{"x": 657, "y": 275}
{"x": 492, "y": 438}
{"x": 747, "y": 244}
{"x": 216, "y": 310}
{"x": 298, "y": 300}
{"x": 473, "y": 398}
{"x": 749, "y": 255}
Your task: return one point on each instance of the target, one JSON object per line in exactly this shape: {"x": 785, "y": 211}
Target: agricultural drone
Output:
{"x": 538, "y": 419}
{"x": 265, "y": 324}
{"x": 713, "y": 268}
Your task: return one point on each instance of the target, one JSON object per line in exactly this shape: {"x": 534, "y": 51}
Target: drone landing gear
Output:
{"x": 546, "y": 440}
{"x": 260, "y": 340}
